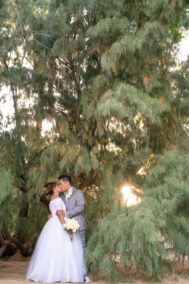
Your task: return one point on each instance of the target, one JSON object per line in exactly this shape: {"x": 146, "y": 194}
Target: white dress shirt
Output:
{"x": 70, "y": 190}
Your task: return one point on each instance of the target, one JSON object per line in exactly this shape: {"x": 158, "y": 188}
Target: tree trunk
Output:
{"x": 4, "y": 231}
{"x": 8, "y": 244}
{"x": 4, "y": 247}
{"x": 22, "y": 248}
{"x": 24, "y": 206}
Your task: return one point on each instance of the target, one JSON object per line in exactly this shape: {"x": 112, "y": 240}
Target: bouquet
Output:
{"x": 71, "y": 226}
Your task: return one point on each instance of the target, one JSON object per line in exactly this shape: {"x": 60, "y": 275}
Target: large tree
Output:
{"x": 100, "y": 74}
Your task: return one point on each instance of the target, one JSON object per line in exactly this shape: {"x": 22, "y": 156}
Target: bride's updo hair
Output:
{"x": 48, "y": 188}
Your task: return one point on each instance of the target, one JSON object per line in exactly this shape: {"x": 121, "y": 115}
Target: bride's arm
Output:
{"x": 64, "y": 214}
{"x": 61, "y": 214}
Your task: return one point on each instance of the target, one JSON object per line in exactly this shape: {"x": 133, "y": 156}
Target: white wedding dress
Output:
{"x": 56, "y": 257}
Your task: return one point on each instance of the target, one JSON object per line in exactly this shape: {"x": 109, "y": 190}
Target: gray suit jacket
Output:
{"x": 75, "y": 206}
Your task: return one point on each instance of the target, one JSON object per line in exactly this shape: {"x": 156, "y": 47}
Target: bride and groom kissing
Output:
{"x": 59, "y": 254}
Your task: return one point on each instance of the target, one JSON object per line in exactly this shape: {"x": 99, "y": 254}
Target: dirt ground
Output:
{"x": 13, "y": 270}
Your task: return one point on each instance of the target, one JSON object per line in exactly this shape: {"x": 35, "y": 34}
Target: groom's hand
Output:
{"x": 49, "y": 217}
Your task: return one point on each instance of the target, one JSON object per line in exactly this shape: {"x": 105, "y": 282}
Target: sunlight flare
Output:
{"x": 130, "y": 198}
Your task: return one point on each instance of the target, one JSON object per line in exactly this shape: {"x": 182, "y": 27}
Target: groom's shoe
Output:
{"x": 87, "y": 279}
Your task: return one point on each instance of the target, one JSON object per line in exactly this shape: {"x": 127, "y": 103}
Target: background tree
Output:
{"x": 21, "y": 147}
{"x": 99, "y": 74}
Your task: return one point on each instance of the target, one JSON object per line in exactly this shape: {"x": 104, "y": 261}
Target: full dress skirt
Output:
{"x": 56, "y": 257}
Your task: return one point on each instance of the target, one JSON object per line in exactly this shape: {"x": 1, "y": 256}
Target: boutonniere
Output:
{"x": 69, "y": 194}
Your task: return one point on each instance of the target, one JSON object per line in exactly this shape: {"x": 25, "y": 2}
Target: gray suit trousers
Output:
{"x": 82, "y": 236}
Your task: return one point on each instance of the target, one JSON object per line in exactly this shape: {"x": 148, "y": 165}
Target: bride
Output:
{"x": 56, "y": 257}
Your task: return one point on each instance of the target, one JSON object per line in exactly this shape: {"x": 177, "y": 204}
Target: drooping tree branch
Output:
{"x": 77, "y": 84}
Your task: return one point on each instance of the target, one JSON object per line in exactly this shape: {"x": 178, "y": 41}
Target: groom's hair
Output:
{"x": 65, "y": 178}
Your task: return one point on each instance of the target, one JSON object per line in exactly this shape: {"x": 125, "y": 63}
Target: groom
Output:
{"x": 75, "y": 202}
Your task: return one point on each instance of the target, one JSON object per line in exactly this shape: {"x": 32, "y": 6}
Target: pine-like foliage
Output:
{"x": 145, "y": 236}
{"x": 99, "y": 73}
{"x": 6, "y": 195}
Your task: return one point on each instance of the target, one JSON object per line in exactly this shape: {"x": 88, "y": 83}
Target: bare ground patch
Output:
{"x": 13, "y": 271}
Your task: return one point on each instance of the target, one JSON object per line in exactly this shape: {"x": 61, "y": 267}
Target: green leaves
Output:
{"x": 6, "y": 192}
{"x": 143, "y": 235}
{"x": 107, "y": 29}
{"x": 126, "y": 101}
{"x": 94, "y": 97}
